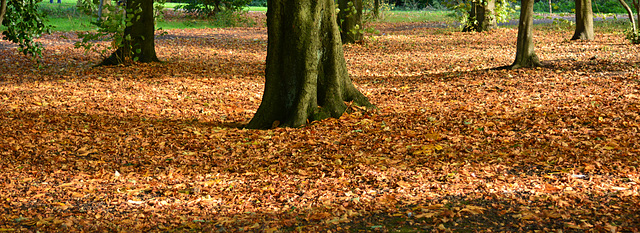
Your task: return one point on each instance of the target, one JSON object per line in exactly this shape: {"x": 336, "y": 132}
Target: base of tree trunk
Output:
{"x": 306, "y": 76}
{"x": 119, "y": 57}
{"x": 581, "y": 36}
{"x": 528, "y": 62}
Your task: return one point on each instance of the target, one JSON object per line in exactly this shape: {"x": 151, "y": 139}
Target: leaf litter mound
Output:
{"x": 454, "y": 146}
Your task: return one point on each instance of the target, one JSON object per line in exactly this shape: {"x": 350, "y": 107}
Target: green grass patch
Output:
{"x": 76, "y": 23}
{"x": 256, "y": 8}
{"x": 417, "y": 16}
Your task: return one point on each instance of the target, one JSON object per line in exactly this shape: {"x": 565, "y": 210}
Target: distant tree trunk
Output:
{"x": 584, "y": 21}
{"x": 482, "y": 16}
{"x": 216, "y": 8}
{"x": 525, "y": 54}
{"x": 306, "y": 74}
{"x": 636, "y": 3}
{"x": 3, "y": 10}
{"x": 630, "y": 14}
{"x": 350, "y": 20}
{"x": 376, "y": 9}
{"x": 141, "y": 46}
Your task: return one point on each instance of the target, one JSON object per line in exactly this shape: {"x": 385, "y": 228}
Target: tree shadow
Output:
{"x": 504, "y": 212}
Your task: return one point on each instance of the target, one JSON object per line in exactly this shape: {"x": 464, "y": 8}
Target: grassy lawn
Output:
{"x": 417, "y": 16}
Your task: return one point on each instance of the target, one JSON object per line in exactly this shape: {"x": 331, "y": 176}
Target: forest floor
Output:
{"x": 454, "y": 146}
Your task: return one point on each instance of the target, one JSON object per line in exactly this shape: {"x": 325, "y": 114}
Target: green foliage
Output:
{"x": 60, "y": 11}
{"x": 209, "y": 8}
{"x": 461, "y": 8}
{"x": 262, "y": 3}
{"x": 232, "y": 19}
{"x": 568, "y": 6}
{"x": 419, "y": 5}
{"x": 368, "y": 13}
{"x": 633, "y": 37}
{"x": 557, "y": 6}
{"x": 351, "y": 11}
{"x": 111, "y": 27}
{"x": 24, "y": 23}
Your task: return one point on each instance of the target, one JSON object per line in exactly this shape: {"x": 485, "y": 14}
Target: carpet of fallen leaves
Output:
{"x": 454, "y": 145}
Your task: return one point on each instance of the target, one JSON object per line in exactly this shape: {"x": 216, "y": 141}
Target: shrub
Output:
{"x": 568, "y": 6}
{"x": 262, "y": 3}
{"x": 209, "y": 8}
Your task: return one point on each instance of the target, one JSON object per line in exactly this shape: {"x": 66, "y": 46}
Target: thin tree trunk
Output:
{"x": 3, "y": 10}
{"x": 525, "y": 54}
{"x": 306, "y": 74}
{"x": 584, "y": 21}
{"x": 141, "y": 46}
{"x": 100, "y": 5}
{"x": 350, "y": 20}
{"x": 636, "y": 3}
{"x": 376, "y": 9}
{"x": 630, "y": 14}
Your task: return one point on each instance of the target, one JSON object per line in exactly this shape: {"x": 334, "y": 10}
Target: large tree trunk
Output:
{"x": 630, "y": 14}
{"x": 3, "y": 10}
{"x": 141, "y": 45}
{"x": 584, "y": 21}
{"x": 306, "y": 74}
{"x": 525, "y": 54}
{"x": 350, "y": 20}
{"x": 481, "y": 16}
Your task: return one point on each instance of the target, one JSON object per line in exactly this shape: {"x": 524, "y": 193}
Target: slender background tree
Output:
{"x": 525, "y": 53}
{"x": 584, "y": 21}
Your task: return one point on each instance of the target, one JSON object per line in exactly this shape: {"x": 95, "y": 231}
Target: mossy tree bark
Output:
{"x": 525, "y": 54}
{"x": 306, "y": 74}
{"x": 3, "y": 10}
{"x": 482, "y": 16}
{"x": 139, "y": 44}
{"x": 584, "y": 21}
{"x": 350, "y": 20}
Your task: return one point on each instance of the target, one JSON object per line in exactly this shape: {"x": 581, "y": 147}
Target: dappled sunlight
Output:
{"x": 159, "y": 147}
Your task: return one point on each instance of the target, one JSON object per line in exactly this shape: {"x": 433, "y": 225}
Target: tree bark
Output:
{"x": 525, "y": 54}
{"x": 141, "y": 45}
{"x": 3, "y": 10}
{"x": 630, "y": 14}
{"x": 482, "y": 16}
{"x": 584, "y": 21}
{"x": 350, "y": 20}
{"x": 376, "y": 9}
{"x": 306, "y": 74}
{"x": 636, "y": 3}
